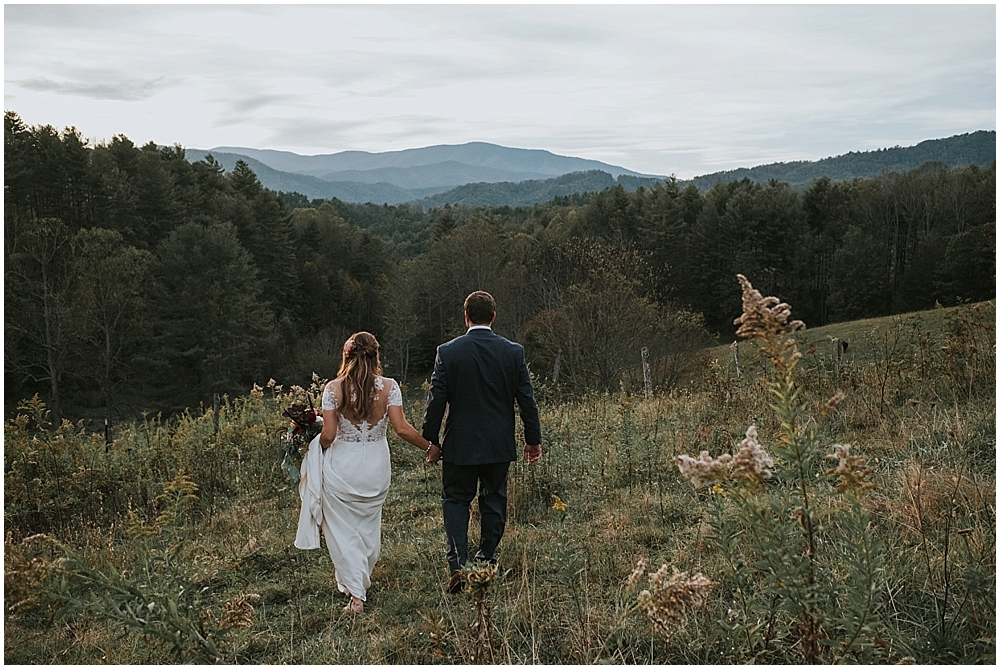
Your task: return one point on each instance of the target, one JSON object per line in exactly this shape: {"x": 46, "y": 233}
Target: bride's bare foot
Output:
{"x": 355, "y": 606}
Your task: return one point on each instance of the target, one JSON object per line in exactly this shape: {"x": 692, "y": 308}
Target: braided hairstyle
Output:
{"x": 358, "y": 369}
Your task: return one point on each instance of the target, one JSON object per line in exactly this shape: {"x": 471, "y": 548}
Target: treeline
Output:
{"x": 839, "y": 251}
{"x": 137, "y": 281}
{"x": 534, "y": 191}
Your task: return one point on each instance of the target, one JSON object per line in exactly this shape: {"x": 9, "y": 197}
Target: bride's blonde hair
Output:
{"x": 358, "y": 369}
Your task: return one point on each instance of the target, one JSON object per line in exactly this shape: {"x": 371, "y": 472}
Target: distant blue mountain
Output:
{"x": 540, "y": 163}
{"x": 480, "y": 173}
{"x": 315, "y": 188}
{"x": 395, "y": 177}
{"x": 976, "y": 148}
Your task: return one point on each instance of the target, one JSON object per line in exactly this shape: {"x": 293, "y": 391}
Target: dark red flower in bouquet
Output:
{"x": 306, "y": 424}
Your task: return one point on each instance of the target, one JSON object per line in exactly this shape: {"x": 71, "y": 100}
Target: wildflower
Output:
{"x": 256, "y": 391}
{"x": 752, "y": 462}
{"x": 672, "y": 599}
{"x": 27, "y": 579}
{"x": 558, "y": 504}
{"x": 138, "y": 528}
{"x": 763, "y": 316}
{"x": 705, "y": 469}
{"x": 270, "y": 383}
{"x": 850, "y": 468}
{"x": 239, "y": 611}
{"x": 181, "y": 485}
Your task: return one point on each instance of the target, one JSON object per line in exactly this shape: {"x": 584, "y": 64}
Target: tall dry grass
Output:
{"x": 922, "y": 412}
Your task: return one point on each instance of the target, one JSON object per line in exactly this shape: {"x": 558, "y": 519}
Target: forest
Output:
{"x": 137, "y": 282}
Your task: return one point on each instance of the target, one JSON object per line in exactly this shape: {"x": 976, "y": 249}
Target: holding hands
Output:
{"x": 532, "y": 453}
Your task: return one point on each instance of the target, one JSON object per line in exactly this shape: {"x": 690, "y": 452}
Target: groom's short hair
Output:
{"x": 480, "y": 307}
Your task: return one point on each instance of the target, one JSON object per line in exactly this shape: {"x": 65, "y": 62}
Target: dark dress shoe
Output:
{"x": 456, "y": 583}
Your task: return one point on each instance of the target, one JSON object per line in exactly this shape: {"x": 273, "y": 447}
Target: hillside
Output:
{"x": 977, "y": 148}
{"x": 316, "y": 188}
{"x": 184, "y": 531}
{"x": 527, "y": 193}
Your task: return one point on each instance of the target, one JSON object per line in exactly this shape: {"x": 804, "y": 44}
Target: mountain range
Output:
{"x": 479, "y": 173}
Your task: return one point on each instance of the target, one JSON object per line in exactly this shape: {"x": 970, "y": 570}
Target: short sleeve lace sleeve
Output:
{"x": 395, "y": 396}
{"x": 329, "y": 398}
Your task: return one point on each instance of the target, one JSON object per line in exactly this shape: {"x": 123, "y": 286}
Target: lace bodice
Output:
{"x": 365, "y": 432}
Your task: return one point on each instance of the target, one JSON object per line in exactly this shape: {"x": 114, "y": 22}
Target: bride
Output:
{"x": 345, "y": 473}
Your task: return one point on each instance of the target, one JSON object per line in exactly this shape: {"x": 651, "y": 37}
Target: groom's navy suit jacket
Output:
{"x": 479, "y": 377}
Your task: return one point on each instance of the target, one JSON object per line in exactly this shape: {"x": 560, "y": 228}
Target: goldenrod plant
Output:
{"x": 804, "y": 567}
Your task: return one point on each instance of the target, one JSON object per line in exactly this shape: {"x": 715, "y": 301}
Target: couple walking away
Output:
{"x": 478, "y": 378}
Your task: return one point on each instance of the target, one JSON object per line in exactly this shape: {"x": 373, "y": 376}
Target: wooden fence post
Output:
{"x": 215, "y": 412}
{"x": 647, "y": 377}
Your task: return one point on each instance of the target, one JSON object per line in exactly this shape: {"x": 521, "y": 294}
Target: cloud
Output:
{"x": 653, "y": 88}
{"x": 549, "y": 32}
{"x": 309, "y": 132}
{"x": 123, "y": 91}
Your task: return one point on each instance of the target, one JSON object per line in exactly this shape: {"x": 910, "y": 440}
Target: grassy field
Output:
{"x": 174, "y": 544}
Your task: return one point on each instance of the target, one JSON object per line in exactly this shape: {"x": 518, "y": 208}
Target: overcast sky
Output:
{"x": 660, "y": 89}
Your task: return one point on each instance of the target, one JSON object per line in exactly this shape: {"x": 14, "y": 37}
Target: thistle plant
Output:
{"x": 803, "y": 566}
{"x": 481, "y": 579}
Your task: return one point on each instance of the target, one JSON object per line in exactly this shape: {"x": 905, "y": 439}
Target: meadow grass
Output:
{"x": 920, "y": 406}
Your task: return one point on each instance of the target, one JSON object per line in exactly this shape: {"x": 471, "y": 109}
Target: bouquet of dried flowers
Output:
{"x": 306, "y": 423}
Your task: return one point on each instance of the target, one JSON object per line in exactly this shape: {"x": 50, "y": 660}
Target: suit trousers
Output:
{"x": 459, "y": 484}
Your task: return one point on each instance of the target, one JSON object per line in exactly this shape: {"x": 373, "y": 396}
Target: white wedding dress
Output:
{"x": 342, "y": 491}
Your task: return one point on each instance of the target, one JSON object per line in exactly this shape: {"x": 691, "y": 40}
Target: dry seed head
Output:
{"x": 763, "y": 316}
{"x": 830, "y": 405}
{"x": 705, "y": 469}
{"x": 672, "y": 599}
{"x": 238, "y": 611}
{"x": 752, "y": 462}
{"x": 850, "y": 469}
{"x": 633, "y": 578}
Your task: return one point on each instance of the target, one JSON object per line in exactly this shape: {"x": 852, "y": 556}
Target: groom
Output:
{"x": 479, "y": 377}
